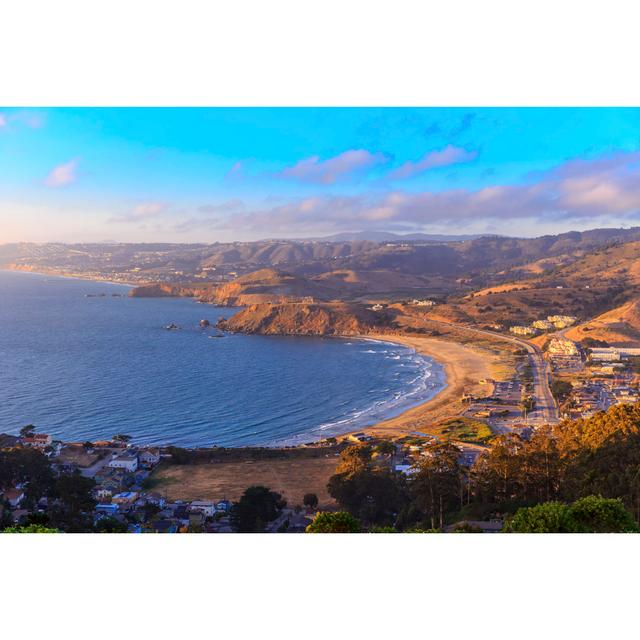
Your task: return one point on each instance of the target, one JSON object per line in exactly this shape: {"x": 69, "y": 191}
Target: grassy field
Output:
{"x": 464, "y": 430}
{"x": 216, "y": 480}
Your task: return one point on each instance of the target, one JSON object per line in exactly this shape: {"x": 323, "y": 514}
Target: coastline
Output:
{"x": 464, "y": 367}
{"x": 73, "y": 276}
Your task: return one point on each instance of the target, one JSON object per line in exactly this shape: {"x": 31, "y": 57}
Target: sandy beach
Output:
{"x": 464, "y": 367}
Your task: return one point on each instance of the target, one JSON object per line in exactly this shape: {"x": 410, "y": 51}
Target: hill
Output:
{"x": 619, "y": 327}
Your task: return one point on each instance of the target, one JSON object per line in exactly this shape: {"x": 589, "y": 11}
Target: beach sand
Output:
{"x": 464, "y": 367}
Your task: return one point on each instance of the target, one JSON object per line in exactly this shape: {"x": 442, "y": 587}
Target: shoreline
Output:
{"x": 462, "y": 366}
{"x": 73, "y": 276}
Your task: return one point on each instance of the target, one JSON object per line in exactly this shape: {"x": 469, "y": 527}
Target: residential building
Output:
{"x": 125, "y": 498}
{"x": 545, "y": 325}
{"x": 561, "y": 322}
{"x": 205, "y": 507}
{"x": 125, "y": 460}
{"x": 14, "y": 497}
{"x": 423, "y": 303}
{"x": 149, "y": 457}
{"x": 523, "y": 331}
{"x": 37, "y": 440}
{"x": 563, "y": 347}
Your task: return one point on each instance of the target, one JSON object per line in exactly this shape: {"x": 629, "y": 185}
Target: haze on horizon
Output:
{"x": 206, "y": 175}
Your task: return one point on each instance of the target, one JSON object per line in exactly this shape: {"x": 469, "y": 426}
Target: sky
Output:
{"x": 223, "y": 174}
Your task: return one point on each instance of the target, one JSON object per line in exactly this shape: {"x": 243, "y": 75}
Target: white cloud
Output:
{"x": 3, "y": 120}
{"x": 574, "y": 192}
{"x": 62, "y": 175}
{"x": 141, "y": 212}
{"x": 443, "y": 158}
{"x": 333, "y": 169}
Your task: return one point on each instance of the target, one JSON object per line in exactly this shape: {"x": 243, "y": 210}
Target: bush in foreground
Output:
{"x": 333, "y": 522}
{"x": 592, "y": 514}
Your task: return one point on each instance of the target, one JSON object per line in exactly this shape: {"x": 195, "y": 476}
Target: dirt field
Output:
{"x": 217, "y": 480}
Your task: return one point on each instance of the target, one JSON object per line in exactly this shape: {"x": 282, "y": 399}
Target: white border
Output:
{"x": 334, "y": 52}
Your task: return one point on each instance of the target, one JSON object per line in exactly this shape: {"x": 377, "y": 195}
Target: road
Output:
{"x": 546, "y": 409}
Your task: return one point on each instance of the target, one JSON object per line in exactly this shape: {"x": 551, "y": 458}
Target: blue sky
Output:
{"x": 153, "y": 174}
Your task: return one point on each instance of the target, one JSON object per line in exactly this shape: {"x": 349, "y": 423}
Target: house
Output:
{"x": 164, "y": 526}
{"x": 156, "y": 499}
{"x": 126, "y": 498}
{"x": 37, "y": 440}
{"x": 561, "y": 322}
{"x": 407, "y": 469}
{"x": 562, "y": 347}
{"x": 102, "y": 494}
{"x": 545, "y": 325}
{"x": 377, "y": 307}
{"x": 108, "y": 509}
{"x": 14, "y": 497}
{"x": 224, "y": 506}
{"x": 149, "y": 457}
{"x": 423, "y": 303}
{"x": 205, "y": 507}
{"x": 520, "y": 330}
{"x": 125, "y": 460}
{"x": 605, "y": 354}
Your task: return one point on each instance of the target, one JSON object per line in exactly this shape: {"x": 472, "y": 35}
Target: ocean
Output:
{"x": 83, "y": 361}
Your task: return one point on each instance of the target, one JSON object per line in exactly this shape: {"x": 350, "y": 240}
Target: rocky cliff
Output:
{"x": 336, "y": 318}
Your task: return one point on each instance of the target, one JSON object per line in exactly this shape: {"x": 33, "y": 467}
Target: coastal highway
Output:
{"x": 546, "y": 409}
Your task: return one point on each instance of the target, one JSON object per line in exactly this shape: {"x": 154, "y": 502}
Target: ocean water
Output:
{"x": 81, "y": 365}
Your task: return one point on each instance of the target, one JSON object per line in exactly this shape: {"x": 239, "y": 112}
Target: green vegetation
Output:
{"x": 581, "y": 475}
{"x": 560, "y": 389}
{"x": 256, "y": 508}
{"x": 336, "y": 522}
{"x": 110, "y": 525}
{"x": 591, "y": 514}
{"x": 466, "y": 430}
{"x": 31, "y": 528}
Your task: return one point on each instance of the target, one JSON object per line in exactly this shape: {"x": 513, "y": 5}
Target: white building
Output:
{"x": 149, "y": 457}
{"x": 423, "y": 303}
{"x": 523, "y": 331}
{"x": 125, "y": 460}
{"x": 205, "y": 507}
{"x": 605, "y": 354}
{"x": 545, "y": 325}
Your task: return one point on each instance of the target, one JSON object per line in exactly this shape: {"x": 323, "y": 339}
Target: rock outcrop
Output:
{"x": 319, "y": 319}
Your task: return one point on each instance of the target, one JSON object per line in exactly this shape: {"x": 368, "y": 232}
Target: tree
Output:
{"x": 591, "y": 514}
{"x": 595, "y": 514}
{"x": 560, "y": 389}
{"x": 310, "y": 500}
{"x": 27, "y": 431}
{"x": 74, "y": 503}
{"x": 27, "y": 467}
{"x": 373, "y": 496}
{"x": 110, "y": 525}
{"x": 354, "y": 459}
{"x": 436, "y": 486}
{"x": 256, "y": 507}
{"x": 31, "y": 528}
{"x": 122, "y": 437}
{"x": 87, "y": 445}
{"x": 333, "y": 522}
{"x": 386, "y": 448}
{"x": 548, "y": 517}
